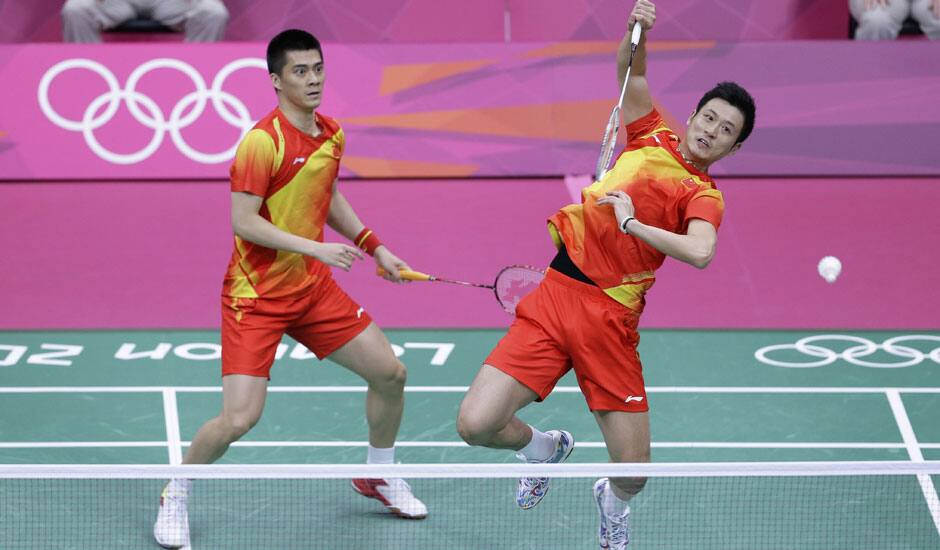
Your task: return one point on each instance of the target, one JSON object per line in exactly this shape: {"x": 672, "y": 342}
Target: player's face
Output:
{"x": 301, "y": 79}
{"x": 713, "y": 130}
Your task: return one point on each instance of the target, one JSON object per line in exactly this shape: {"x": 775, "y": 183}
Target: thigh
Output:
{"x": 493, "y": 398}
{"x": 627, "y": 435}
{"x": 331, "y": 320}
{"x": 251, "y": 331}
{"x": 243, "y": 397}
{"x": 170, "y": 12}
{"x": 368, "y": 354}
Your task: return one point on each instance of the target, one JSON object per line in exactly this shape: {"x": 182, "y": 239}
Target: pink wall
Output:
{"x": 144, "y": 255}
{"x": 416, "y": 21}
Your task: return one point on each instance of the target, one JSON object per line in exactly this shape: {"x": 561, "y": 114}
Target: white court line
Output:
{"x": 171, "y": 415}
{"x": 913, "y": 449}
{"x": 457, "y": 389}
{"x": 428, "y": 444}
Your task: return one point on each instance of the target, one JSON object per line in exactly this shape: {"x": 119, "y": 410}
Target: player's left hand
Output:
{"x": 622, "y": 203}
{"x": 391, "y": 263}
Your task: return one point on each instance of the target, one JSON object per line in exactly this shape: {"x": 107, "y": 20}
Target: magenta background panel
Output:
{"x": 486, "y": 110}
{"x": 146, "y": 255}
{"x": 448, "y": 21}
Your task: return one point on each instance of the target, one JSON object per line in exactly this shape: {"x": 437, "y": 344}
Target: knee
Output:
{"x": 391, "y": 379}
{"x": 213, "y": 13}
{"x": 237, "y": 425}
{"x": 76, "y": 10}
{"x": 473, "y": 428}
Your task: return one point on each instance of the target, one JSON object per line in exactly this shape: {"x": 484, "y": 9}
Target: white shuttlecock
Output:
{"x": 829, "y": 268}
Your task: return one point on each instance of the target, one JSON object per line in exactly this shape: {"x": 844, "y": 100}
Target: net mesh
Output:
{"x": 831, "y": 506}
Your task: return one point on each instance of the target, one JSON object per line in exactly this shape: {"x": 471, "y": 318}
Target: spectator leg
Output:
{"x": 83, "y": 20}
{"x": 879, "y": 23}
{"x": 929, "y": 22}
{"x": 203, "y": 20}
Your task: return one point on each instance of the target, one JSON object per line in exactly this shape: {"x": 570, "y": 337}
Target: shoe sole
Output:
{"x": 602, "y": 542}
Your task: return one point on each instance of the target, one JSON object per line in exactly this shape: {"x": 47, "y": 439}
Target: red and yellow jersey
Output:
{"x": 294, "y": 173}
{"x": 666, "y": 191}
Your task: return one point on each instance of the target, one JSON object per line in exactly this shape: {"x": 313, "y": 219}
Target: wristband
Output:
{"x": 623, "y": 224}
{"x": 367, "y": 241}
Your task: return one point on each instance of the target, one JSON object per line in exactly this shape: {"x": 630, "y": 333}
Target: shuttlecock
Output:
{"x": 829, "y": 268}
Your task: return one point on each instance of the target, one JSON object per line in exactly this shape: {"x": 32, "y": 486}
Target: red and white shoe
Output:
{"x": 395, "y": 494}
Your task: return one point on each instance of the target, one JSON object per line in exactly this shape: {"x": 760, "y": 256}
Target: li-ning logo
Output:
{"x": 633, "y": 398}
{"x": 146, "y": 111}
{"x": 857, "y": 354}
{"x": 299, "y": 160}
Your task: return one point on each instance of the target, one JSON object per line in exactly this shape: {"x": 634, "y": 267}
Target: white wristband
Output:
{"x": 623, "y": 224}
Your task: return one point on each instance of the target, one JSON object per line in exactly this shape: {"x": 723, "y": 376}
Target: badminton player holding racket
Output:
{"x": 656, "y": 201}
{"x": 283, "y": 183}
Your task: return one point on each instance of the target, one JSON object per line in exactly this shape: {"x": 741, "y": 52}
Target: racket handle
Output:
{"x": 635, "y": 37}
{"x": 406, "y": 274}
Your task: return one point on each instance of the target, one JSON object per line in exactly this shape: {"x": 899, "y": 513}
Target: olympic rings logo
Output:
{"x": 855, "y": 354}
{"x": 146, "y": 111}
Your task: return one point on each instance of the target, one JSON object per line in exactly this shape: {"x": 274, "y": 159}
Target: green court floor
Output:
{"x": 138, "y": 397}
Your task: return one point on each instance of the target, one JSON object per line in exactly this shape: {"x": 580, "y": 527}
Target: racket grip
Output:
{"x": 406, "y": 274}
{"x": 635, "y": 37}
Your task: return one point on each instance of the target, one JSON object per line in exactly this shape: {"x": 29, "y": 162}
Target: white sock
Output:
{"x": 179, "y": 487}
{"x": 541, "y": 447}
{"x": 380, "y": 455}
{"x": 612, "y": 504}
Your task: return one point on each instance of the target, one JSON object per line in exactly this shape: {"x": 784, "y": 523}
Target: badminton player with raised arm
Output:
{"x": 283, "y": 184}
{"x": 656, "y": 201}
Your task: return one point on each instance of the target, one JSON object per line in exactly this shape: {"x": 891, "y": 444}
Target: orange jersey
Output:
{"x": 294, "y": 173}
{"x": 666, "y": 191}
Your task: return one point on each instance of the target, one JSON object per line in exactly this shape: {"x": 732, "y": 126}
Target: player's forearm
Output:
{"x": 694, "y": 251}
{"x": 623, "y": 57}
{"x": 255, "y": 229}
{"x": 342, "y": 218}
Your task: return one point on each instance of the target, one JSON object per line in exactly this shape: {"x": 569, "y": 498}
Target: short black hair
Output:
{"x": 737, "y": 97}
{"x": 289, "y": 41}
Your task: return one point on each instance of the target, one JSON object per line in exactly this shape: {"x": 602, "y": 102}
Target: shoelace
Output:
{"x": 617, "y": 532}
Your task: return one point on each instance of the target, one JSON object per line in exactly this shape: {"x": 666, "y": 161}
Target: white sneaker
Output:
{"x": 172, "y": 527}
{"x": 613, "y": 532}
{"x": 531, "y": 490}
{"x": 395, "y": 494}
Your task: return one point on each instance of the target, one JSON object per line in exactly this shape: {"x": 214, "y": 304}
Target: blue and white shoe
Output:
{"x": 613, "y": 532}
{"x": 531, "y": 490}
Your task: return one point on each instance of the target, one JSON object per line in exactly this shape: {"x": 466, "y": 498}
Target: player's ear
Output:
{"x": 691, "y": 116}
{"x": 734, "y": 149}
{"x": 276, "y": 81}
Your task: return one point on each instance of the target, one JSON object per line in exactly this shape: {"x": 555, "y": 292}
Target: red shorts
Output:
{"x": 568, "y": 324}
{"x": 323, "y": 319}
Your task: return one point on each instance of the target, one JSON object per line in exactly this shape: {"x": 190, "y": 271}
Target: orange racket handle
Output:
{"x": 406, "y": 274}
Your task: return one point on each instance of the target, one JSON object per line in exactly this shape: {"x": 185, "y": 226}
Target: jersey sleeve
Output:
{"x": 708, "y": 205}
{"x": 645, "y": 126}
{"x": 254, "y": 163}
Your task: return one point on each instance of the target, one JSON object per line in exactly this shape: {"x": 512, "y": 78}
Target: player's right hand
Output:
{"x": 644, "y": 13}
{"x": 337, "y": 254}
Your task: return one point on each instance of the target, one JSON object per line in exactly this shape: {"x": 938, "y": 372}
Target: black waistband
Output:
{"x": 562, "y": 263}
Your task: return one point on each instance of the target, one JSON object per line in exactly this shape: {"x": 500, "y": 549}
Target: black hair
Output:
{"x": 738, "y": 98}
{"x": 288, "y": 41}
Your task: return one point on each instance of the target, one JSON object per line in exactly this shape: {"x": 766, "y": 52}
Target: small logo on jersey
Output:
{"x": 300, "y": 160}
{"x": 633, "y": 398}
{"x": 359, "y": 313}
{"x": 689, "y": 182}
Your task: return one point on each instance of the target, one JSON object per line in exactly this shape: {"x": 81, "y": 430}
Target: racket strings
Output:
{"x": 514, "y": 283}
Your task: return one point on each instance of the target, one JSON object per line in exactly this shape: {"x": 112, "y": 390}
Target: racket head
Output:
{"x": 515, "y": 282}
{"x": 608, "y": 143}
